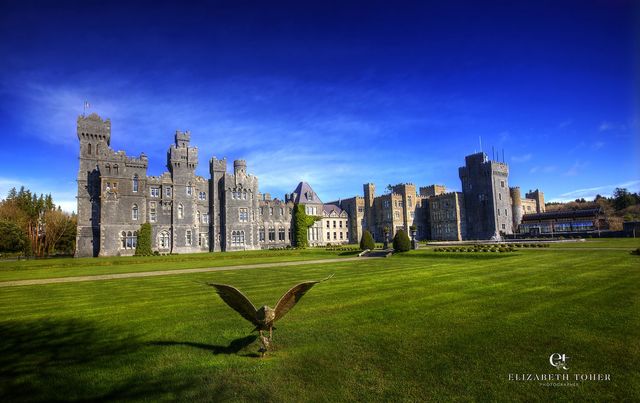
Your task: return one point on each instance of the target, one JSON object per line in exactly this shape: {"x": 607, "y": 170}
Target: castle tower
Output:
{"x": 486, "y": 195}
{"x": 516, "y": 207}
{"x": 94, "y": 135}
{"x": 369, "y": 195}
{"x": 240, "y": 167}
{"x": 217, "y": 169}
{"x": 538, "y": 196}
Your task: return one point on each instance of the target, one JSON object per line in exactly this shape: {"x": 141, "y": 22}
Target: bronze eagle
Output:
{"x": 265, "y": 317}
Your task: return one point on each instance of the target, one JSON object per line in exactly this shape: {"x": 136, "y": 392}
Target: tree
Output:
{"x": 143, "y": 245}
{"x": 12, "y": 238}
{"x": 367, "y": 242}
{"x": 623, "y": 199}
{"x": 301, "y": 223}
{"x": 401, "y": 241}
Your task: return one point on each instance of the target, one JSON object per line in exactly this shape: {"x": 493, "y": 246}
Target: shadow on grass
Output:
{"x": 53, "y": 360}
{"x": 235, "y": 347}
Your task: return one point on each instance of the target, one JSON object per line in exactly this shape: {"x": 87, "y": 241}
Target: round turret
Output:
{"x": 240, "y": 166}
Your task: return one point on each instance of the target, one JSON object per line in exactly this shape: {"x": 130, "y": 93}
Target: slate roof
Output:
{"x": 569, "y": 214}
{"x": 304, "y": 194}
{"x": 329, "y": 208}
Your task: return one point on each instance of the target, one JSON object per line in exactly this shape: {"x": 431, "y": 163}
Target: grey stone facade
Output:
{"x": 187, "y": 213}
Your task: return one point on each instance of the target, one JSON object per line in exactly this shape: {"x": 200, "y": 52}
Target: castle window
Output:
{"x": 205, "y": 218}
{"x": 270, "y": 210}
{"x": 272, "y": 234}
{"x": 503, "y": 226}
{"x": 244, "y": 195}
{"x": 202, "y": 196}
{"x": 198, "y": 216}
{"x": 237, "y": 238}
{"x": 281, "y": 234}
{"x": 412, "y": 214}
{"x": 328, "y": 224}
{"x": 335, "y": 236}
{"x": 155, "y": 192}
{"x": 108, "y": 168}
{"x": 328, "y": 235}
{"x": 134, "y": 212}
{"x": 123, "y": 239}
{"x": 131, "y": 240}
{"x": 244, "y": 215}
{"x": 409, "y": 202}
{"x": 167, "y": 191}
{"x": 386, "y": 203}
{"x": 152, "y": 215}
{"x": 501, "y": 184}
{"x": 89, "y": 148}
{"x": 115, "y": 169}
{"x": 164, "y": 240}
{"x": 203, "y": 240}
{"x": 505, "y": 212}
{"x": 97, "y": 149}
{"x": 341, "y": 236}
{"x": 396, "y": 214}
{"x": 360, "y": 209}
{"x": 188, "y": 237}
{"x": 261, "y": 235}
{"x": 189, "y": 189}
{"x": 499, "y": 196}
{"x": 334, "y": 223}
{"x": 135, "y": 183}
{"x": 180, "y": 211}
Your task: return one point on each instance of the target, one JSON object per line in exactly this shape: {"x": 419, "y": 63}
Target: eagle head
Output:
{"x": 266, "y": 314}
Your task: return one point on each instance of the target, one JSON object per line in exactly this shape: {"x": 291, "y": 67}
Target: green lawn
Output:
{"x": 413, "y": 327}
{"x": 68, "y": 267}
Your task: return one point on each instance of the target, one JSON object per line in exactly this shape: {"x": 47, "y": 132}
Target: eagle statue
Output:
{"x": 265, "y": 317}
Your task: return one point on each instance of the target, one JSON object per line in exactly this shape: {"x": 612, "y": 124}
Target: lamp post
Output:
{"x": 414, "y": 241}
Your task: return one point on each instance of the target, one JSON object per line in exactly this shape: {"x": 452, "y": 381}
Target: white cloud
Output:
{"x": 604, "y": 126}
{"x": 521, "y": 158}
{"x": 590, "y": 193}
{"x": 576, "y": 168}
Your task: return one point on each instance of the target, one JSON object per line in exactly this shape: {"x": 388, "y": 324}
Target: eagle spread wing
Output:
{"x": 291, "y": 297}
{"x": 237, "y": 301}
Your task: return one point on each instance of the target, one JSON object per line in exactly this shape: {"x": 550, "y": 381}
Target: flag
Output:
{"x": 87, "y": 104}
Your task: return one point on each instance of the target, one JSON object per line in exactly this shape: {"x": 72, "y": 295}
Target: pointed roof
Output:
{"x": 331, "y": 208}
{"x": 304, "y": 194}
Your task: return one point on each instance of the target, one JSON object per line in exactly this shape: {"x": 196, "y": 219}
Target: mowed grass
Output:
{"x": 69, "y": 267}
{"x": 420, "y": 326}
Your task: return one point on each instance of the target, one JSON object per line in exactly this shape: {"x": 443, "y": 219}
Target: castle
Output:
{"x": 226, "y": 212}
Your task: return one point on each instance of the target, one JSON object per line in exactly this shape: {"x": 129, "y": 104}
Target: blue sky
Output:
{"x": 337, "y": 93}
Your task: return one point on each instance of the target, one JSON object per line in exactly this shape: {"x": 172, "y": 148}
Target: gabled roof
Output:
{"x": 330, "y": 208}
{"x": 304, "y": 194}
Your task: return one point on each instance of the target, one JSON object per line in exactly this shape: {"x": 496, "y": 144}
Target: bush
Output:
{"x": 143, "y": 246}
{"x": 366, "y": 242}
{"x": 636, "y": 252}
{"x": 401, "y": 242}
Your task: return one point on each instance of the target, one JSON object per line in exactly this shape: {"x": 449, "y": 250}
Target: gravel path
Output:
{"x": 170, "y": 272}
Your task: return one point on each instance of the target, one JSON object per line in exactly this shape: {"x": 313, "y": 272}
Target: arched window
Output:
{"x": 123, "y": 239}
{"x": 244, "y": 195}
{"x": 129, "y": 240}
{"x": 164, "y": 240}
{"x": 97, "y": 149}
{"x": 135, "y": 183}
{"x": 89, "y": 148}
{"x": 198, "y": 216}
{"x": 189, "y": 189}
{"x": 115, "y": 169}
{"x": 108, "y": 167}
{"x": 189, "y": 238}
{"x": 134, "y": 212}
{"x": 180, "y": 211}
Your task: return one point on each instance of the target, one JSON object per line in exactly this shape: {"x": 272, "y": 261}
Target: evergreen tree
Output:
{"x": 367, "y": 242}
{"x": 143, "y": 246}
{"x": 12, "y": 238}
{"x": 401, "y": 241}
